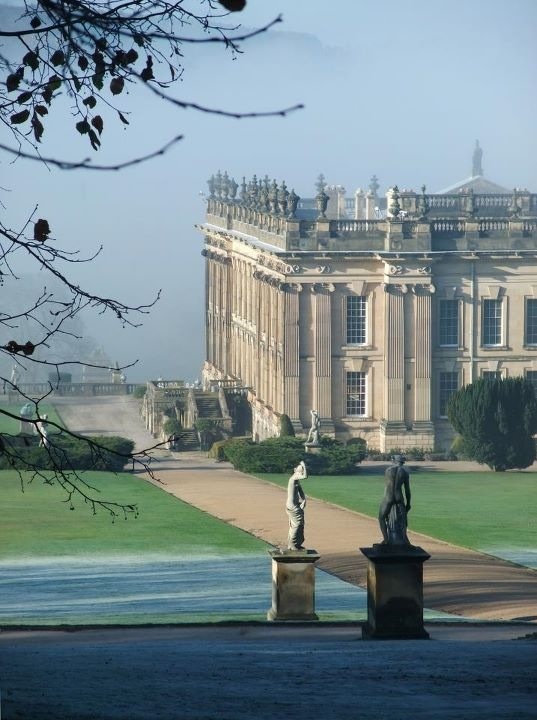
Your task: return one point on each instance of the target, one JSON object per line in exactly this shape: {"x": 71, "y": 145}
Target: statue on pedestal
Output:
{"x": 26, "y": 413}
{"x": 296, "y": 502}
{"x": 314, "y": 434}
{"x": 41, "y": 428}
{"x": 395, "y": 504}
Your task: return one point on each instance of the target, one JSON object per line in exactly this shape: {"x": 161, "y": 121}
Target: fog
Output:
{"x": 402, "y": 90}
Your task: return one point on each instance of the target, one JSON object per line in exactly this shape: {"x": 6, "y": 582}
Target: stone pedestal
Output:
{"x": 394, "y": 592}
{"x": 312, "y": 449}
{"x": 293, "y": 585}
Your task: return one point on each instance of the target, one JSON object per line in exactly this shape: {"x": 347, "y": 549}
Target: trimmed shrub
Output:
{"x": 67, "y": 453}
{"x": 286, "y": 426}
{"x": 281, "y": 455}
{"x": 274, "y": 455}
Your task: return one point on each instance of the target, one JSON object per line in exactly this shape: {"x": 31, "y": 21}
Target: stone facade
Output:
{"x": 373, "y": 322}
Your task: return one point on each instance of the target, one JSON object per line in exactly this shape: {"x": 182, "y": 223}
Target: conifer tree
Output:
{"x": 496, "y": 420}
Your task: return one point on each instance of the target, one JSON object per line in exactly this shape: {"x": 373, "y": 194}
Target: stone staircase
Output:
{"x": 208, "y": 407}
{"x": 189, "y": 439}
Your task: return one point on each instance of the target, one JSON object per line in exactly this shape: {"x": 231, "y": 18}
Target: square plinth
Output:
{"x": 293, "y": 585}
{"x": 394, "y": 592}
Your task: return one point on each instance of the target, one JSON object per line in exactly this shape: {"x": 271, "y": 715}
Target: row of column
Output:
{"x": 266, "y": 319}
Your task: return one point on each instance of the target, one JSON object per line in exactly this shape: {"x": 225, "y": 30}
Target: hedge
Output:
{"x": 66, "y": 453}
{"x": 282, "y": 454}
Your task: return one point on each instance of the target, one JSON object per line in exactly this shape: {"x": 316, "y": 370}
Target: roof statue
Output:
{"x": 477, "y": 182}
{"x": 477, "y": 157}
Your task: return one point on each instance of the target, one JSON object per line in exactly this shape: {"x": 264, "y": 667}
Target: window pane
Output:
{"x": 449, "y": 382}
{"x": 492, "y": 374}
{"x": 356, "y": 319}
{"x": 492, "y": 322}
{"x": 449, "y": 322}
{"x": 356, "y": 393}
{"x": 531, "y": 375}
{"x": 531, "y": 322}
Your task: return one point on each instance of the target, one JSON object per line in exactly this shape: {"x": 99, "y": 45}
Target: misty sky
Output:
{"x": 397, "y": 89}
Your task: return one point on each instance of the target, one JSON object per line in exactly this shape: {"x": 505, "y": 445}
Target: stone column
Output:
{"x": 322, "y": 400}
{"x": 423, "y": 328}
{"x": 394, "y": 353}
{"x": 291, "y": 366}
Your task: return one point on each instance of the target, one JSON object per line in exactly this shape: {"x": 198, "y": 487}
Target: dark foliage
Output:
{"x": 286, "y": 427}
{"x": 66, "y": 453}
{"x": 496, "y": 420}
{"x": 282, "y": 454}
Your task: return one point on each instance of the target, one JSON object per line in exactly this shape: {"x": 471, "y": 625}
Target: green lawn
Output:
{"x": 37, "y": 523}
{"x": 478, "y": 510}
{"x": 11, "y": 427}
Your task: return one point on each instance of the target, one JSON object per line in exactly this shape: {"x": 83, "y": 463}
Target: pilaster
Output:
{"x": 322, "y": 400}
{"x": 394, "y": 349}
{"x": 291, "y": 351}
{"x": 422, "y": 353}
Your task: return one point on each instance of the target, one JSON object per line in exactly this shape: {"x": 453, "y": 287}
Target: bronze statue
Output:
{"x": 395, "y": 504}
{"x": 296, "y": 502}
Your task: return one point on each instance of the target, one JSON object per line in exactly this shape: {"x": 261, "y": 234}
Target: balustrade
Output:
{"x": 447, "y": 226}
{"x": 493, "y": 201}
{"x": 488, "y": 225}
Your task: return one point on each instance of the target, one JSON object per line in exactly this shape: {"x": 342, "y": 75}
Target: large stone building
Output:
{"x": 373, "y": 319}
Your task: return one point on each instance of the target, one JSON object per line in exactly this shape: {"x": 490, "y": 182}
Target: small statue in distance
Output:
{"x": 296, "y": 502}
{"x": 395, "y": 504}
{"x": 314, "y": 434}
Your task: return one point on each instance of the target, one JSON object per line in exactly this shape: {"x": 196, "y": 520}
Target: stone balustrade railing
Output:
{"x": 411, "y": 218}
{"x": 37, "y": 390}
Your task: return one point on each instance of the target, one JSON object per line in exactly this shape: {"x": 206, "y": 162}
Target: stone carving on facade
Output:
{"x": 218, "y": 184}
{"x": 395, "y": 206}
{"x": 514, "y": 208}
{"x": 225, "y": 187}
{"x": 273, "y": 198}
{"x": 264, "y": 202}
{"x": 323, "y": 287}
{"x": 396, "y": 288}
{"x": 293, "y": 268}
{"x": 396, "y": 269}
{"x": 469, "y": 206}
{"x": 233, "y": 187}
{"x": 244, "y": 192}
{"x": 211, "y": 182}
{"x": 422, "y": 206}
{"x": 477, "y": 158}
{"x": 374, "y": 185}
{"x": 283, "y": 195}
{"x": 321, "y": 200}
{"x": 423, "y": 289}
{"x": 424, "y": 270}
{"x": 324, "y": 269}
{"x": 292, "y": 200}
{"x": 253, "y": 193}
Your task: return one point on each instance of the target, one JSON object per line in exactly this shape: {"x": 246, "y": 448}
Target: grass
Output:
{"x": 37, "y": 523}
{"x": 477, "y": 510}
{"x": 10, "y": 426}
